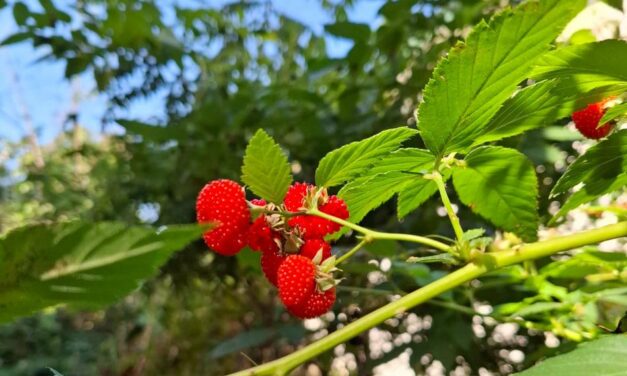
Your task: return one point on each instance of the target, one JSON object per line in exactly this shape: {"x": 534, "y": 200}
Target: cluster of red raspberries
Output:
{"x": 292, "y": 245}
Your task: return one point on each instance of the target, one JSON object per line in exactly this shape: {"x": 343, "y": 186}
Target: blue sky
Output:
{"x": 39, "y": 88}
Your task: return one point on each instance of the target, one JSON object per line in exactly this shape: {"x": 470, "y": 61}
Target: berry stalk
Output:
{"x": 467, "y": 273}
{"x": 370, "y": 235}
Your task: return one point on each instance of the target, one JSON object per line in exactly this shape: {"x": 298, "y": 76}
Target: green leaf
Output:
{"x": 20, "y": 13}
{"x": 602, "y": 162}
{"x": 149, "y": 132}
{"x": 365, "y": 194}
{"x": 540, "y": 105}
{"x": 356, "y": 31}
{"x": 592, "y": 190}
{"x": 405, "y": 159}
{"x": 445, "y": 258}
{"x": 473, "y": 233}
{"x": 80, "y": 265}
{"x": 584, "y": 67}
{"x": 469, "y": 85}
{"x": 604, "y": 356}
{"x": 584, "y": 264}
{"x": 16, "y": 38}
{"x": 415, "y": 193}
{"x": 613, "y": 113}
{"x": 266, "y": 170}
{"x": 500, "y": 184}
{"x": 352, "y": 160}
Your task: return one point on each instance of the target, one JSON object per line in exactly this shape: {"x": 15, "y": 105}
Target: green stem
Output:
{"x": 351, "y": 252}
{"x": 437, "y": 178}
{"x": 370, "y": 235}
{"x": 467, "y": 273}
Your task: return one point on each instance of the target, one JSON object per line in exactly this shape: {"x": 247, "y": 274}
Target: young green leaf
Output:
{"x": 602, "y": 162}
{"x": 500, "y": 184}
{"x": 266, "y": 170}
{"x": 353, "y": 159}
{"x": 80, "y": 265}
{"x": 469, "y": 85}
{"x": 614, "y": 113}
{"x": 604, "y": 356}
{"x": 405, "y": 159}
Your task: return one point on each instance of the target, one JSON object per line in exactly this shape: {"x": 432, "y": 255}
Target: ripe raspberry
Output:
{"x": 317, "y": 304}
{"x": 270, "y": 262}
{"x": 258, "y": 202}
{"x": 261, "y": 237}
{"x": 223, "y": 202}
{"x": 311, "y": 247}
{"x": 336, "y": 207}
{"x": 296, "y": 280}
{"x": 295, "y": 196}
{"x": 587, "y": 120}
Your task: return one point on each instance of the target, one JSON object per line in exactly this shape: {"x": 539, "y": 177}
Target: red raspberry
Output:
{"x": 224, "y": 203}
{"x": 317, "y": 304}
{"x": 312, "y": 227}
{"x": 587, "y": 121}
{"x": 261, "y": 237}
{"x": 311, "y": 247}
{"x": 270, "y": 262}
{"x": 295, "y": 197}
{"x": 296, "y": 280}
{"x": 336, "y": 207}
{"x": 258, "y": 202}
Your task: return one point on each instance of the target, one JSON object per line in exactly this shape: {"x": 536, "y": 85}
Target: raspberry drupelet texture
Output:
{"x": 296, "y": 280}
{"x": 261, "y": 237}
{"x": 311, "y": 247}
{"x": 223, "y": 202}
{"x": 316, "y": 305}
{"x": 270, "y": 262}
{"x": 312, "y": 227}
{"x": 587, "y": 121}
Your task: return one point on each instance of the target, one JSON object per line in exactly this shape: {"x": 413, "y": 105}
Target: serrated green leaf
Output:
{"x": 405, "y": 159}
{"x": 602, "y": 162}
{"x": 584, "y": 67}
{"x": 265, "y": 169}
{"x": 469, "y": 85}
{"x": 473, "y": 233}
{"x": 80, "y": 265}
{"x": 540, "y": 105}
{"x": 604, "y": 356}
{"x": 614, "y": 113}
{"x": 415, "y": 193}
{"x": 365, "y": 194}
{"x": 353, "y": 159}
{"x": 500, "y": 184}
{"x": 589, "y": 192}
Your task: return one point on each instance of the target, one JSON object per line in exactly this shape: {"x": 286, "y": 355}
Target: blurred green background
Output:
{"x": 179, "y": 87}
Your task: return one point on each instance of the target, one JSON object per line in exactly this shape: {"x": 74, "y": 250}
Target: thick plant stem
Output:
{"x": 457, "y": 227}
{"x": 473, "y": 270}
{"x": 370, "y": 235}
